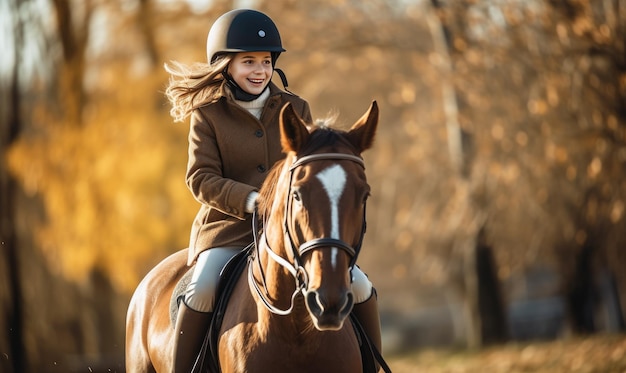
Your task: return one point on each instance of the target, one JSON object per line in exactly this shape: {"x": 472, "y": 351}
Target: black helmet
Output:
{"x": 243, "y": 30}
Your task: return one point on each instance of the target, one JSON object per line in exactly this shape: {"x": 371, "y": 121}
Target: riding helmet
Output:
{"x": 243, "y": 30}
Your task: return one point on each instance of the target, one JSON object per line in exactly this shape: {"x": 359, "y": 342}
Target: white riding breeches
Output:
{"x": 200, "y": 293}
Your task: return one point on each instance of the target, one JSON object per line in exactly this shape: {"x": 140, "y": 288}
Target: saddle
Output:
{"x": 208, "y": 359}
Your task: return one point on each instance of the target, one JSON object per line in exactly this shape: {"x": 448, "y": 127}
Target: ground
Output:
{"x": 584, "y": 355}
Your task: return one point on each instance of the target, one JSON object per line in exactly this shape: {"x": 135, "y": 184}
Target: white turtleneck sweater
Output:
{"x": 255, "y": 107}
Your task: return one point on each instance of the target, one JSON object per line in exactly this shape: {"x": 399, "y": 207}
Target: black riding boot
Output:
{"x": 367, "y": 314}
{"x": 191, "y": 328}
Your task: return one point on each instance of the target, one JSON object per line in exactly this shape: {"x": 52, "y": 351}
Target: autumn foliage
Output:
{"x": 501, "y": 150}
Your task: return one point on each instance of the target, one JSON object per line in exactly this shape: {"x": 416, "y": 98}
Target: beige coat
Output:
{"x": 230, "y": 154}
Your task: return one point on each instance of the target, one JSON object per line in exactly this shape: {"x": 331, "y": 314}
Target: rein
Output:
{"x": 297, "y": 269}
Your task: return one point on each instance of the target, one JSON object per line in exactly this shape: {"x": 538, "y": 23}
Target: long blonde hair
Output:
{"x": 193, "y": 86}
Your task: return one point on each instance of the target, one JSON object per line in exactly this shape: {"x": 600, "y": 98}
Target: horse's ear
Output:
{"x": 362, "y": 133}
{"x": 293, "y": 131}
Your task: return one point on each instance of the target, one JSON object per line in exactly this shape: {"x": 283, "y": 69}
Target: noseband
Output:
{"x": 297, "y": 269}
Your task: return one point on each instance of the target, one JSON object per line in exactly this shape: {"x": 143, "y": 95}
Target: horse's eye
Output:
{"x": 296, "y": 195}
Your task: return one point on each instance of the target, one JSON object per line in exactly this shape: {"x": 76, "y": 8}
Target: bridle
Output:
{"x": 297, "y": 269}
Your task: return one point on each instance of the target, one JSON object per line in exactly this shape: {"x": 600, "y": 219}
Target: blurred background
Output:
{"x": 497, "y": 220}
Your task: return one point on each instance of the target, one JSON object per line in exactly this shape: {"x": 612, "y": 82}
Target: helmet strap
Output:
{"x": 283, "y": 79}
{"x": 238, "y": 92}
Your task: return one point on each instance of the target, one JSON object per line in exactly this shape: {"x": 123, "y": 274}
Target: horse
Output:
{"x": 288, "y": 309}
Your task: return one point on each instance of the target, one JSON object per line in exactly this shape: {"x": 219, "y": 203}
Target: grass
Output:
{"x": 585, "y": 355}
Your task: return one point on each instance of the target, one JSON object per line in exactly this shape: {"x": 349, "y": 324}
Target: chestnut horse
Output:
{"x": 288, "y": 310}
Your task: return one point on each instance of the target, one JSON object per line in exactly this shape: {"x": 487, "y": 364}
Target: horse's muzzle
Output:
{"x": 328, "y": 315}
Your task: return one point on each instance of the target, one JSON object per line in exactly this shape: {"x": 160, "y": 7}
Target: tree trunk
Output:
{"x": 490, "y": 302}
{"x": 483, "y": 309}
{"x": 580, "y": 294}
{"x": 73, "y": 36}
{"x": 145, "y": 19}
{"x": 441, "y": 43}
{"x": 11, "y": 304}
{"x": 473, "y": 320}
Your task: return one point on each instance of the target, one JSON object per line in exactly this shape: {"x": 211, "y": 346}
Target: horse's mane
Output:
{"x": 268, "y": 189}
{"x": 321, "y": 135}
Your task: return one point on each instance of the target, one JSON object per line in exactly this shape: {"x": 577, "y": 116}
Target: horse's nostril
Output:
{"x": 314, "y": 303}
{"x": 347, "y": 306}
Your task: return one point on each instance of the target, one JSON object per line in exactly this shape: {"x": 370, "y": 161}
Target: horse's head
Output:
{"x": 324, "y": 210}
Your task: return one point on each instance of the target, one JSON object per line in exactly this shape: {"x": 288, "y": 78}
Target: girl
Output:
{"x": 234, "y": 140}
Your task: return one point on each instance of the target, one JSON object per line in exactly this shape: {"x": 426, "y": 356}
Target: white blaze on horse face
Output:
{"x": 334, "y": 182}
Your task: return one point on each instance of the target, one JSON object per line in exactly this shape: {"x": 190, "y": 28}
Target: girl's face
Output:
{"x": 252, "y": 71}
